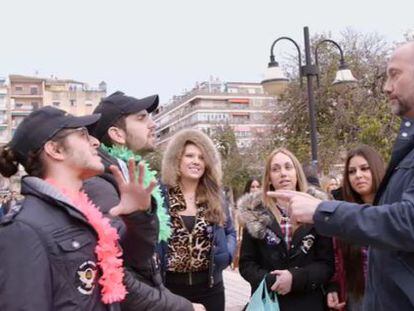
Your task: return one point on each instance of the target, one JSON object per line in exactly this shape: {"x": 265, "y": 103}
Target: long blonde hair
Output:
{"x": 209, "y": 186}
{"x": 301, "y": 185}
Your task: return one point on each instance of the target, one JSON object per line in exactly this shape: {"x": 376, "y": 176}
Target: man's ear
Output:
{"x": 54, "y": 150}
{"x": 117, "y": 135}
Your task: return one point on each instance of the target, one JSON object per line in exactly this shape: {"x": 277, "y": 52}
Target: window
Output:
{"x": 55, "y": 96}
{"x": 33, "y": 90}
{"x": 35, "y": 105}
{"x": 56, "y": 104}
{"x": 72, "y": 103}
{"x": 18, "y": 105}
{"x": 18, "y": 88}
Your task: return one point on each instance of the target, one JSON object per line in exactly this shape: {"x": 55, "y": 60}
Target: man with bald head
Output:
{"x": 388, "y": 227}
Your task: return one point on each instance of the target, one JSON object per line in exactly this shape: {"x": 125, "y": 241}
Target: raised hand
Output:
{"x": 134, "y": 195}
{"x": 302, "y": 206}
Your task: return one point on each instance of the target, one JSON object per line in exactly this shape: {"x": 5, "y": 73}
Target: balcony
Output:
{"x": 22, "y": 111}
{"x": 178, "y": 100}
{"x": 26, "y": 96}
{"x": 220, "y": 107}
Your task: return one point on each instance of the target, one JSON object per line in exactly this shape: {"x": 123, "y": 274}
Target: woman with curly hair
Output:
{"x": 203, "y": 238}
{"x": 294, "y": 259}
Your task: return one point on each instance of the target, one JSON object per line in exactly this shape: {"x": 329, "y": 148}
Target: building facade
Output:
{"x": 4, "y": 115}
{"x": 73, "y": 96}
{"x": 242, "y": 106}
{"x": 26, "y": 94}
{"x": 20, "y": 95}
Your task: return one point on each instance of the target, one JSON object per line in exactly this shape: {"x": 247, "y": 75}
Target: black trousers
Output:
{"x": 211, "y": 297}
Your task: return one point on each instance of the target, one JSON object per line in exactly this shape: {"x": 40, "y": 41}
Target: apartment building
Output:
{"x": 4, "y": 116}
{"x": 241, "y": 105}
{"x": 72, "y": 96}
{"x": 27, "y": 94}
{"x": 20, "y": 95}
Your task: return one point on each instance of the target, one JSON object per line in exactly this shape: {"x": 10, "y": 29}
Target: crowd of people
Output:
{"x": 97, "y": 230}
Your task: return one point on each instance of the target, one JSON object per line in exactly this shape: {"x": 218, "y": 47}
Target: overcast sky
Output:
{"x": 164, "y": 47}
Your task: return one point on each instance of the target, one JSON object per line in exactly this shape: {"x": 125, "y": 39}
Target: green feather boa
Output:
{"x": 125, "y": 154}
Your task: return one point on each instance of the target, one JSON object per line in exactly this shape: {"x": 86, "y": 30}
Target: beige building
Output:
{"x": 25, "y": 95}
{"x": 73, "y": 96}
{"x": 243, "y": 106}
{"x": 21, "y": 95}
{"x": 29, "y": 93}
{"x": 4, "y": 115}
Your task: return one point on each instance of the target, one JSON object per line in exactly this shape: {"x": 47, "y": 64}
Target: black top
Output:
{"x": 189, "y": 222}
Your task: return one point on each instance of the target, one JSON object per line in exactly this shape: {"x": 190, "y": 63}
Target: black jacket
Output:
{"x": 263, "y": 249}
{"x": 387, "y": 228}
{"x": 144, "y": 284}
{"x": 45, "y": 248}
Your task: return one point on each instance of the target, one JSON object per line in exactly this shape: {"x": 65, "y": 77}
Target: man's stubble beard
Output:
{"x": 144, "y": 150}
{"x": 400, "y": 108}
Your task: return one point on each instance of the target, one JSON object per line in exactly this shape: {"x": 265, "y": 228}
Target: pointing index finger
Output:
{"x": 282, "y": 194}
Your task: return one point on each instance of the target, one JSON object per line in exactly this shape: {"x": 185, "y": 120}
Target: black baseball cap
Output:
{"x": 117, "y": 105}
{"x": 40, "y": 126}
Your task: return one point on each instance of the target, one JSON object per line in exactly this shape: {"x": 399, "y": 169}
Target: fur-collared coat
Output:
{"x": 309, "y": 259}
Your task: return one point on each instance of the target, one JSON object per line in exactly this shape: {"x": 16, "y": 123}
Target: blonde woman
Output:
{"x": 203, "y": 238}
{"x": 295, "y": 260}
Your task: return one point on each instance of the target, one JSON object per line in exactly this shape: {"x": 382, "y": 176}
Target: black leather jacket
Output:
{"x": 46, "y": 248}
{"x": 142, "y": 278}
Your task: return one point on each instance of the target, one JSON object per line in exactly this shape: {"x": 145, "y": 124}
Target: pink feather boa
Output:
{"x": 107, "y": 249}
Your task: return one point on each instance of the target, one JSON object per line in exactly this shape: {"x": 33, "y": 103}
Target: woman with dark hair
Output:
{"x": 294, "y": 259}
{"x": 203, "y": 239}
{"x": 363, "y": 172}
{"x": 252, "y": 185}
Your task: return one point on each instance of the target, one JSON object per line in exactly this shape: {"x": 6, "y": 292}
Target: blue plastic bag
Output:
{"x": 260, "y": 303}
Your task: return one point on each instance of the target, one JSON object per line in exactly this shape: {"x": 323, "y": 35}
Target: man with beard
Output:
{"x": 388, "y": 227}
{"x": 127, "y": 131}
{"x": 57, "y": 251}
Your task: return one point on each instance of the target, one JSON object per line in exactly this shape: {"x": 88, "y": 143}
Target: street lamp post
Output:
{"x": 275, "y": 82}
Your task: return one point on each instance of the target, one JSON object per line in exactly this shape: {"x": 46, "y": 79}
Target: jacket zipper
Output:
{"x": 211, "y": 264}
{"x": 190, "y": 277}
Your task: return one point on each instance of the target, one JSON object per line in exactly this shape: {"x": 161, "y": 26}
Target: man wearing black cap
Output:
{"x": 126, "y": 131}
{"x": 58, "y": 252}
{"x": 126, "y": 121}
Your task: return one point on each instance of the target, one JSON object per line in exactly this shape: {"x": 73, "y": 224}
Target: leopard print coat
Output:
{"x": 188, "y": 251}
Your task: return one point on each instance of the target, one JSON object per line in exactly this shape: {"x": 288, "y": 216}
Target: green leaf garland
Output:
{"x": 123, "y": 153}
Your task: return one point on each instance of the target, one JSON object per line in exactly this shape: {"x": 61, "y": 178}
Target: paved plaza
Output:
{"x": 237, "y": 290}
